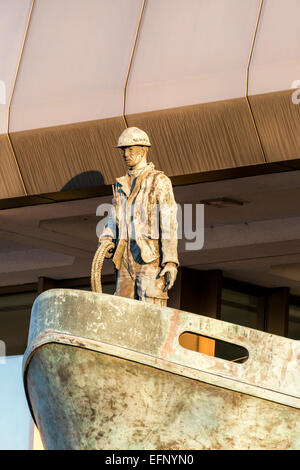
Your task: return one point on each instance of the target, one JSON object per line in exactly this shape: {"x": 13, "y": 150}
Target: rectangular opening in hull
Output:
{"x": 213, "y": 347}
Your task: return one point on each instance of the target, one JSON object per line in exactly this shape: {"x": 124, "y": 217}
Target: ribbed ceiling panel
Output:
{"x": 10, "y": 184}
{"x": 186, "y": 87}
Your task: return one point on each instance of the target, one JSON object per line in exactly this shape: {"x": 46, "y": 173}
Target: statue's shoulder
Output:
{"x": 157, "y": 174}
{"x": 160, "y": 177}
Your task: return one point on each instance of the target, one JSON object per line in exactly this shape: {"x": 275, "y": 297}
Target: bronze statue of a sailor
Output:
{"x": 142, "y": 225}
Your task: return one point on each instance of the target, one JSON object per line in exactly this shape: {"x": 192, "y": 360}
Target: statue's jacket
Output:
{"x": 144, "y": 213}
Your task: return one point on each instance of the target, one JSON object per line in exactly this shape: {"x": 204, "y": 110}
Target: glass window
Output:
{"x": 294, "y": 322}
{"x": 242, "y": 309}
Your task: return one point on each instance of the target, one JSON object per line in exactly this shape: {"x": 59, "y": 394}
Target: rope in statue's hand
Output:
{"x": 105, "y": 250}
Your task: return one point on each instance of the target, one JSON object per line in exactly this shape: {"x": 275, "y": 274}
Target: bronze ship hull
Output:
{"x": 106, "y": 372}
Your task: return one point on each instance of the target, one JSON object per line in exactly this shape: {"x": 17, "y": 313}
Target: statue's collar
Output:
{"x": 125, "y": 181}
{"x": 140, "y": 172}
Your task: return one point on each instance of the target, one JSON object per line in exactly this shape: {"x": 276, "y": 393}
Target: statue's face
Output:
{"x": 133, "y": 155}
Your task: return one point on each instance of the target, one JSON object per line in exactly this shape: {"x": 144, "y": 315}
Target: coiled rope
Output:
{"x": 103, "y": 251}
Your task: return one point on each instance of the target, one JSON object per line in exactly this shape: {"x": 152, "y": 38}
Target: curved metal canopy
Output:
{"x": 209, "y": 81}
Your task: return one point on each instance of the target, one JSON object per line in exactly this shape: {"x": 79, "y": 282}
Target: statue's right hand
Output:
{"x": 109, "y": 252}
{"x": 101, "y": 240}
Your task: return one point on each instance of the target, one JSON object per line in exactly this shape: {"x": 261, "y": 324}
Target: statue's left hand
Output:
{"x": 170, "y": 273}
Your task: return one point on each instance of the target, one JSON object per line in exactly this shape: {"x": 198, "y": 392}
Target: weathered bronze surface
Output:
{"x": 106, "y": 372}
{"x": 142, "y": 225}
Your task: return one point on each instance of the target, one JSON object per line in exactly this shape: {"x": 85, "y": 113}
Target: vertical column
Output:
{"x": 277, "y": 311}
{"x": 198, "y": 292}
{"x": 45, "y": 283}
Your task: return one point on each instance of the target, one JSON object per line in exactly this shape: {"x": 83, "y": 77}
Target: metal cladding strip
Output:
{"x": 247, "y": 82}
{"x": 11, "y": 98}
{"x": 130, "y": 63}
{"x": 218, "y": 380}
{"x": 150, "y": 331}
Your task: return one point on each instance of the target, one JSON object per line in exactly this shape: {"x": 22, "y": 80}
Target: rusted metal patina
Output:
{"x": 107, "y": 372}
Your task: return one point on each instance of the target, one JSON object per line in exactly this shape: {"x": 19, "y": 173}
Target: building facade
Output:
{"x": 215, "y": 85}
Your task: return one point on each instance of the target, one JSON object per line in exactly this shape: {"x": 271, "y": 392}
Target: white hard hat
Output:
{"x": 133, "y": 136}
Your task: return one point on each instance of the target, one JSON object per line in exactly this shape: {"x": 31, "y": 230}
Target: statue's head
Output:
{"x": 134, "y": 144}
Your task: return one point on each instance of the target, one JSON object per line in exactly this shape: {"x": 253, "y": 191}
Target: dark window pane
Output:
{"x": 109, "y": 288}
{"x": 294, "y": 322}
{"x": 242, "y": 309}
